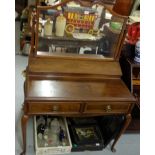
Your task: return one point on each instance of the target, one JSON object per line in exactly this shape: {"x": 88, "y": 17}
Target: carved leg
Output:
{"x": 23, "y": 125}
{"x": 127, "y": 122}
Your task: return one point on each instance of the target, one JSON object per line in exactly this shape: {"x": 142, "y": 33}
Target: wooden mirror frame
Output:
{"x": 34, "y": 39}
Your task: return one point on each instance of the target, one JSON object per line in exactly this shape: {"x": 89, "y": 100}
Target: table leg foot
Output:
{"x": 22, "y": 153}
{"x": 113, "y": 150}
{"x": 128, "y": 120}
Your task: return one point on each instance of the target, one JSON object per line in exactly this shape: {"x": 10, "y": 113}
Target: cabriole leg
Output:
{"x": 23, "y": 125}
{"x": 127, "y": 122}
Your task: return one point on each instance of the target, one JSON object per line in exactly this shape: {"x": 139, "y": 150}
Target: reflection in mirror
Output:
{"x": 48, "y": 2}
{"x": 72, "y": 28}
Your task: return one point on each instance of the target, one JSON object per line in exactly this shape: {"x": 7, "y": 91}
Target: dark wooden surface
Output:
{"x": 123, "y": 7}
{"x": 78, "y": 90}
{"x": 74, "y": 65}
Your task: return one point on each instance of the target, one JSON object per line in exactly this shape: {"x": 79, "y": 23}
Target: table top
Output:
{"x": 65, "y": 90}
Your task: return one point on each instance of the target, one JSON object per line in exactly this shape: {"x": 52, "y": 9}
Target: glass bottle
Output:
{"x": 55, "y": 125}
{"x": 60, "y": 25}
{"x": 48, "y": 27}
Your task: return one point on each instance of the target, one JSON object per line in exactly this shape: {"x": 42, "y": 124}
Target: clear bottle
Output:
{"x": 48, "y": 26}
{"x": 55, "y": 125}
{"x": 60, "y": 25}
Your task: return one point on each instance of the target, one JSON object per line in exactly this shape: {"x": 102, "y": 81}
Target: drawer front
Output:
{"x": 43, "y": 107}
{"x": 107, "y": 107}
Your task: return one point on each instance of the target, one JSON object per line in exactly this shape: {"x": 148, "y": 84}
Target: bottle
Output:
{"x": 41, "y": 128}
{"x": 55, "y": 125}
{"x": 48, "y": 27}
{"x": 40, "y": 28}
{"x": 61, "y": 134}
{"x": 60, "y": 25}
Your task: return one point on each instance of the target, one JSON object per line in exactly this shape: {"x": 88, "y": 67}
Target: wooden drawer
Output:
{"x": 107, "y": 107}
{"x": 63, "y": 107}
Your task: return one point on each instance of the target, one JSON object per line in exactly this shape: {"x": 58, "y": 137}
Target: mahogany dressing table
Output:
{"x": 74, "y": 85}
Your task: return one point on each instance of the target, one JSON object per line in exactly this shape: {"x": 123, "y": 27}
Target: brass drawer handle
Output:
{"x": 108, "y": 108}
{"x": 55, "y": 108}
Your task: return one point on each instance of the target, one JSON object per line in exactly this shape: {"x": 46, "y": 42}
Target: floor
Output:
{"x": 129, "y": 144}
